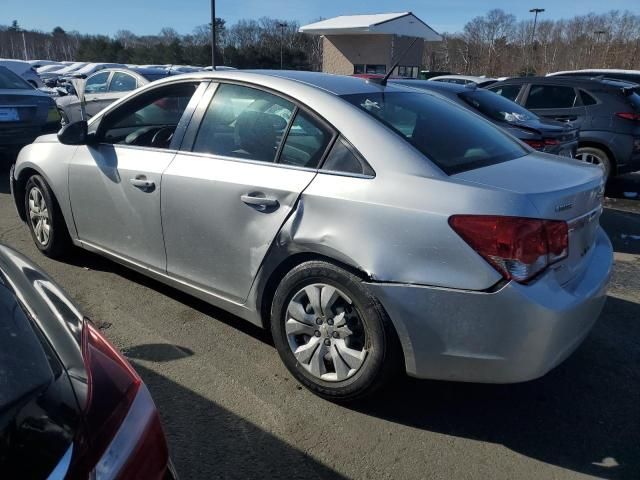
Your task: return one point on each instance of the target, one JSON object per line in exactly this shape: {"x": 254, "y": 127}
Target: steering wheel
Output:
{"x": 163, "y": 137}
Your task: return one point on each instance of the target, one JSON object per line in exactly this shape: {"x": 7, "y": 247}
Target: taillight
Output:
{"x": 519, "y": 248}
{"x": 635, "y": 117}
{"x": 120, "y": 419}
{"x": 541, "y": 144}
{"x": 536, "y": 144}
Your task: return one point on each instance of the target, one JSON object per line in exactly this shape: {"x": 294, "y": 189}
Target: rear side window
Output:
{"x": 342, "y": 158}
{"x": 507, "y": 91}
{"x": 306, "y": 142}
{"x": 551, "y": 96}
{"x": 587, "y": 99}
{"x": 452, "y": 137}
{"x": 243, "y": 122}
{"x": 11, "y": 81}
{"x": 122, "y": 82}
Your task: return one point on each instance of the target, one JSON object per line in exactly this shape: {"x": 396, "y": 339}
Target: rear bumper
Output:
{"x": 515, "y": 334}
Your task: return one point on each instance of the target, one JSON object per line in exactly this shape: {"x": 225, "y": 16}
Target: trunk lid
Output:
{"x": 559, "y": 189}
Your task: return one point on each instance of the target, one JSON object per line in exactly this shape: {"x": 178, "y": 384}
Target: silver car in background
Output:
{"x": 371, "y": 227}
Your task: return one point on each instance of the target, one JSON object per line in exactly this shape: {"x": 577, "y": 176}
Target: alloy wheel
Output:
{"x": 39, "y": 216}
{"x": 590, "y": 158}
{"x": 325, "y": 332}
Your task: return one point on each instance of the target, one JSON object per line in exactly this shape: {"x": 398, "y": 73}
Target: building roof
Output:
{"x": 404, "y": 23}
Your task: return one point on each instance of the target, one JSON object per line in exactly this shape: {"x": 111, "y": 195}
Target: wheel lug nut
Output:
{"x": 336, "y": 335}
{"x": 327, "y": 342}
{"x": 317, "y": 333}
{"x": 330, "y": 321}
{"x": 318, "y": 321}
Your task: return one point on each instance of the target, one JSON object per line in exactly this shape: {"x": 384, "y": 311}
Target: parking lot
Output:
{"x": 231, "y": 409}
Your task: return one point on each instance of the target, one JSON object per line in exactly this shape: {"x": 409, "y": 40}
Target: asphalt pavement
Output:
{"x": 231, "y": 410}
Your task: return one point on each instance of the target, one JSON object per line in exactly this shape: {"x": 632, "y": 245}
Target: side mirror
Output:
{"x": 73, "y": 133}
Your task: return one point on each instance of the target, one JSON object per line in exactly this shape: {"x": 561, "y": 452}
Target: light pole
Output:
{"x": 282, "y": 27}
{"x": 599, "y": 33}
{"x": 213, "y": 34}
{"x": 536, "y": 11}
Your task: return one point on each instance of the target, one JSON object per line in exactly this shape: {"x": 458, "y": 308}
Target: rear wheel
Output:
{"x": 47, "y": 226}
{"x": 595, "y": 156}
{"x": 332, "y": 333}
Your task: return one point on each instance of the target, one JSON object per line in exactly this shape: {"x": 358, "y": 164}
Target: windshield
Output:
{"x": 11, "y": 81}
{"x": 450, "y": 136}
{"x": 497, "y": 107}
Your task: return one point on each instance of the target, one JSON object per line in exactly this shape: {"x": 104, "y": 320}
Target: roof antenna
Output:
{"x": 383, "y": 81}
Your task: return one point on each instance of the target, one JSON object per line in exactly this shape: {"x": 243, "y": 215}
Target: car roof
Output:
{"x": 588, "y": 71}
{"x": 335, "y": 84}
{"x": 471, "y": 78}
{"x": 585, "y": 81}
{"x": 439, "y": 86}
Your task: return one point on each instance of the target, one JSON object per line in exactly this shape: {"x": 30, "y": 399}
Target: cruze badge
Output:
{"x": 563, "y": 207}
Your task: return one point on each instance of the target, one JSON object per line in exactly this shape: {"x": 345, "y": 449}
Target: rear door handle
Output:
{"x": 141, "y": 182}
{"x": 260, "y": 200}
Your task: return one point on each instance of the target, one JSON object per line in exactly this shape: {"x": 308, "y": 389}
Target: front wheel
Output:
{"x": 595, "y": 156}
{"x": 47, "y": 226}
{"x": 332, "y": 333}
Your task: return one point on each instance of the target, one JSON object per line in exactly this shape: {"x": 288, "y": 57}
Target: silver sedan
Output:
{"x": 373, "y": 228}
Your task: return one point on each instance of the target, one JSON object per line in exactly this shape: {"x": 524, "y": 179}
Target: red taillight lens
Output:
{"x": 541, "y": 144}
{"x": 122, "y": 436}
{"x": 537, "y": 144}
{"x": 635, "y": 117}
{"x": 519, "y": 248}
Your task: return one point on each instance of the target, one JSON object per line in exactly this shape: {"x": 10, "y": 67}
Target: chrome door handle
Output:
{"x": 142, "y": 183}
{"x": 258, "y": 199}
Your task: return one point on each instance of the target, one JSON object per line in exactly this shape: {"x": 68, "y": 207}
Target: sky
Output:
{"x": 149, "y": 16}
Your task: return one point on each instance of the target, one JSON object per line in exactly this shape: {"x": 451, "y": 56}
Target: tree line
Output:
{"x": 246, "y": 44}
{"x": 496, "y": 44}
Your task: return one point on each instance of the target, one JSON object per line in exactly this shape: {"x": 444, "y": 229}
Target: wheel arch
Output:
{"x": 277, "y": 272}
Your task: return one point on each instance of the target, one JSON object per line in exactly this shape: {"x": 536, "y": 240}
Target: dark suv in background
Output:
{"x": 606, "y": 111}
{"x": 543, "y": 134}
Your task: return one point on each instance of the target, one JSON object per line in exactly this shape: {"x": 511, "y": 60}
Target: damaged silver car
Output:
{"x": 373, "y": 228}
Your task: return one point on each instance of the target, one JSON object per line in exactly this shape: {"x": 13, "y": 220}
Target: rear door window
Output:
{"x": 306, "y": 142}
{"x": 507, "y": 91}
{"x": 452, "y": 137}
{"x": 122, "y": 82}
{"x": 97, "y": 83}
{"x": 243, "y": 122}
{"x": 551, "y": 96}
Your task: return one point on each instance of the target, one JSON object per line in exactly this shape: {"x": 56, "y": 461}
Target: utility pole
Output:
{"x": 282, "y": 27}
{"x": 536, "y": 11}
{"x": 213, "y": 34}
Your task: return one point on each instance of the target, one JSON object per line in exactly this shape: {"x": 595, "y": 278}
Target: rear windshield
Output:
{"x": 24, "y": 366}
{"x": 450, "y": 136}
{"x": 496, "y": 107}
{"x": 11, "y": 81}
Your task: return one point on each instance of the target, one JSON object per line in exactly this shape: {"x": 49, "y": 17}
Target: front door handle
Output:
{"x": 141, "y": 182}
{"x": 260, "y": 200}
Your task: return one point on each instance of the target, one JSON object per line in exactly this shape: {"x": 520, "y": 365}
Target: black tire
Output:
{"x": 600, "y": 155}
{"x": 59, "y": 242}
{"x": 383, "y": 357}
